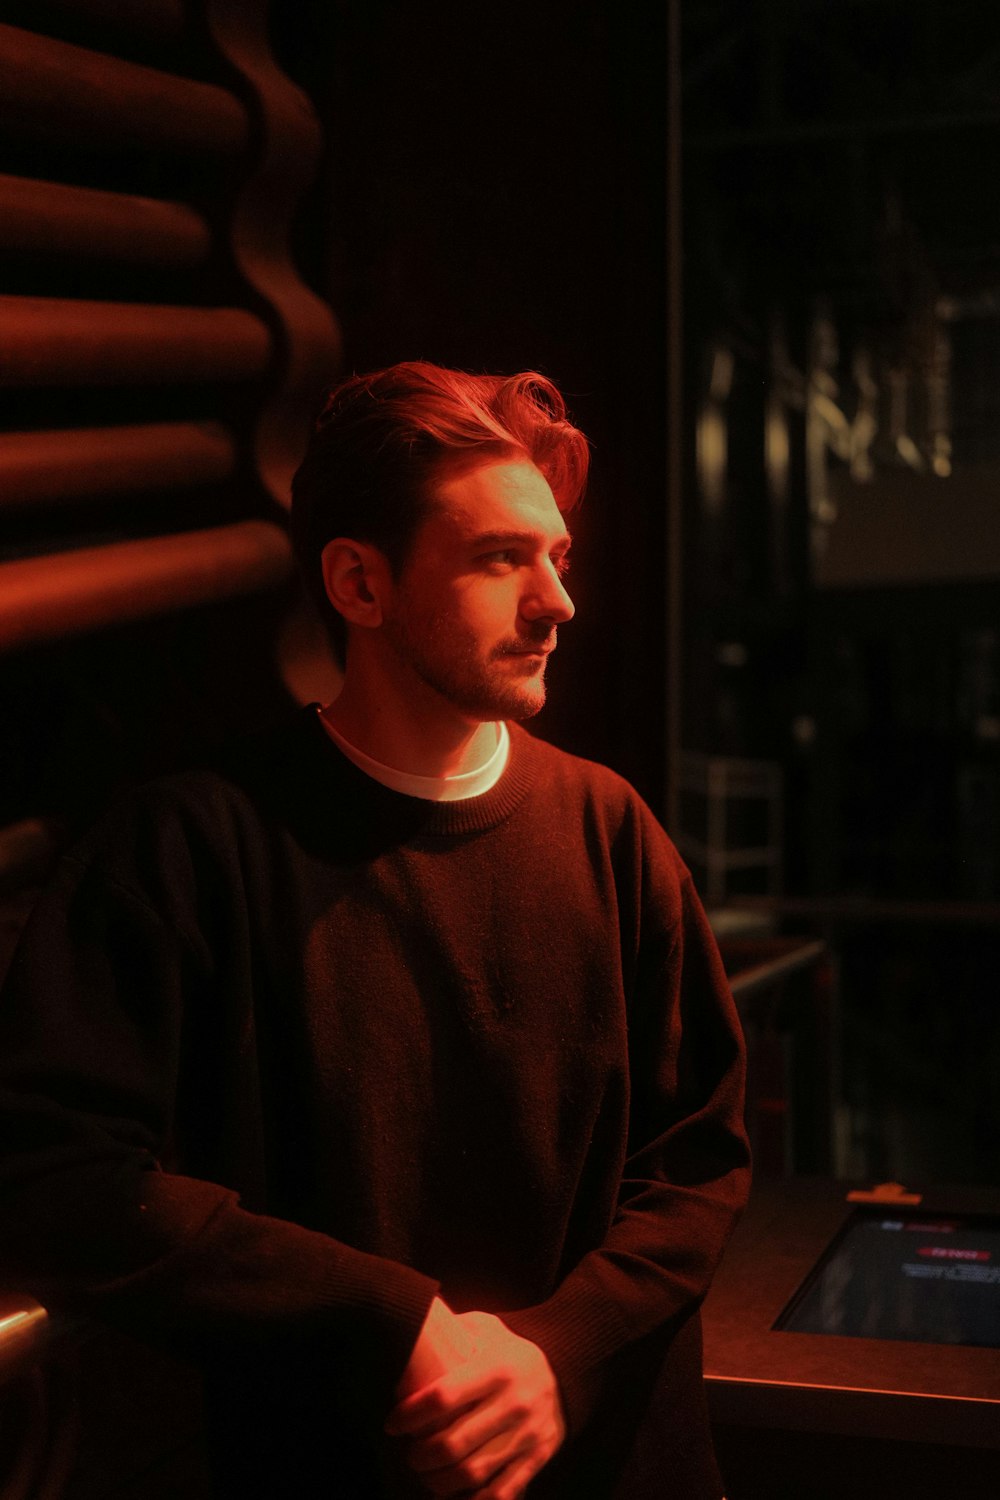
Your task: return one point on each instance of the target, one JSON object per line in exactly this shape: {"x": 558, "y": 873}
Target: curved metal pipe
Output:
{"x": 54, "y": 341}
{"x": 74, "y": 464}
{"x": 54, "y": 90}
{"x": 55, "y": 219}
{"x": 66, "y": 594}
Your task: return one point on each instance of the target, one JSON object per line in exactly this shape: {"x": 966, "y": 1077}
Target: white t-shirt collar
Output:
{"x": 431, "y": 788}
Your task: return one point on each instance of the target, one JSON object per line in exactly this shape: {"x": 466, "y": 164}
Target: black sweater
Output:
{"x": 284, "y": 1053}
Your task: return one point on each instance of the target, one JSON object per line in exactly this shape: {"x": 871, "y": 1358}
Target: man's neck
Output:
{"x": 423, "y": 739}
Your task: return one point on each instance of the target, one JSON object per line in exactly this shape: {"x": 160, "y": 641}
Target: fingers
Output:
{"x": 441, "y": 1402}
{"x": 482, "y": 1426}
{"x": 489, "y": 1447}
{"x": 476, "y": 1470}
{"x": 511, "y": 1482}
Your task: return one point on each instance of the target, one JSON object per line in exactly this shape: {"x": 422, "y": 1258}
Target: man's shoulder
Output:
{"x": 562, "y": 767}
{"x": 574, "y": 782}
{"x": 206, "y": 801}
{"x": 591, "y": 812}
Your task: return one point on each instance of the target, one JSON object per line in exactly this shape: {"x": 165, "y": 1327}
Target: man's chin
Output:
{"x": 511, "y": 704}
{"x": 526, "y": 707}
{"x": 524, "y": 698}
{"x": 520, "y": 712}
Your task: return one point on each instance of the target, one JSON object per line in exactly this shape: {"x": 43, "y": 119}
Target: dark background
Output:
{"x": 838, "y": 162}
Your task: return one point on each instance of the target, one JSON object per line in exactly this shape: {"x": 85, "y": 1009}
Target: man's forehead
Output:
{"x": 503, "y": 500}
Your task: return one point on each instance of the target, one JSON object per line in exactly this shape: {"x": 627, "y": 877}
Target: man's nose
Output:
{"x": 547, "y": 598}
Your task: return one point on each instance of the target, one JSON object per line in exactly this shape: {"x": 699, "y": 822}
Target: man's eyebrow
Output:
{"x": 517, "y": 539}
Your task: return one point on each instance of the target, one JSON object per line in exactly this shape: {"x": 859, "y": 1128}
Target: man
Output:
{"x": 392, "y": 1074}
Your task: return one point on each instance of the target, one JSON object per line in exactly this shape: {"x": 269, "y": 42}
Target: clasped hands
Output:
{"x": 480, "y": 1410}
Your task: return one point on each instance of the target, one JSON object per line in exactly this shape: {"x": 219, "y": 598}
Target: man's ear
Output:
{"x": 357, "y": 580}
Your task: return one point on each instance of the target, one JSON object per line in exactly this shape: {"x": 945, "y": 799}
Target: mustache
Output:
{"x": 542, "y": 638}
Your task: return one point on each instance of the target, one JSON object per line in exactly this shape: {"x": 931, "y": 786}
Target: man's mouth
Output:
{"x": 529, "y": 648}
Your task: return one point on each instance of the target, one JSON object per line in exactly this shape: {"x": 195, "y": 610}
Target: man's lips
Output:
{"x": 542, "y": 648}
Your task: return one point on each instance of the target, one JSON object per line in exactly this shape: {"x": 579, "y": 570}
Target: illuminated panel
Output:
{"x": 928, "y": 1279}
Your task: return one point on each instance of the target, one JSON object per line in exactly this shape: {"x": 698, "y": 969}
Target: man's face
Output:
{"x": 475, "y": 610}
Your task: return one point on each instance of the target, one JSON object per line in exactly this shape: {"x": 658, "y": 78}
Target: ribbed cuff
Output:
{"x": 576, "y": 1332}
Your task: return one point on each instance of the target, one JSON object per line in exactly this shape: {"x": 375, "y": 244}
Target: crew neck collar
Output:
{"x": 470, "y": 815}
{"x": 456, "y": 788}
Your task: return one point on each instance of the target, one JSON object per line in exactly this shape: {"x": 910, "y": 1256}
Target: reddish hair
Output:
{"x": 383, "y": 440}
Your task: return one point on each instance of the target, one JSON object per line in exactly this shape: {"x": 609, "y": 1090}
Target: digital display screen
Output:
{"x": 930, "y": 1278}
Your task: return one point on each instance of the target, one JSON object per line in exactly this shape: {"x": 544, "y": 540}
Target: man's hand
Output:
{"x": 486, "y": 1426}
{"x": 443, "y": 1342}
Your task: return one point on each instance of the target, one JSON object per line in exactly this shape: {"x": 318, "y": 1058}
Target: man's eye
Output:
{"x": 562, "y": 564}
{"x": 504, "y": 559}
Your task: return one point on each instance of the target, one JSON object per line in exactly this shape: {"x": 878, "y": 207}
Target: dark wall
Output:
{"x": 145, "y": 333}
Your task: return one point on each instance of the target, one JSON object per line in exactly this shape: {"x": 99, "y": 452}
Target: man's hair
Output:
{"x": 383, "y": 440}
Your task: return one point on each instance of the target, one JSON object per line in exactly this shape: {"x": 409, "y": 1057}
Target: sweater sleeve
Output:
{"x": 92, "y": 1025}
{"x": 686, "y": 1177}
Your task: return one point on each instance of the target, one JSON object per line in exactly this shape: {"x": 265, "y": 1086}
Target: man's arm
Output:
{"x": 687, "y": 1174}
{"x": 92, "y": 1023}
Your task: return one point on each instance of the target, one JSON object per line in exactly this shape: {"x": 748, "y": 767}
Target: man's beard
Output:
{"x": 484, "y": 690}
